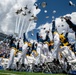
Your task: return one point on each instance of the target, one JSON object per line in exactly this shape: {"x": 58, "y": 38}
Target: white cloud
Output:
{"x": 8, "y": 16}
{"x": 62, "y": 25}
{"x": 46, "y": 25}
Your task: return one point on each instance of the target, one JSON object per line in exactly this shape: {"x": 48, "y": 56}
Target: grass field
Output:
{"x": 5, "y": 72}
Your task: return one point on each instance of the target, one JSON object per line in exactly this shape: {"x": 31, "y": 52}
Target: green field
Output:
{"x": 5, "y": 72}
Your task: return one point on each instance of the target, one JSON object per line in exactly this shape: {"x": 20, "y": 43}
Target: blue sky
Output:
{"x": 61, "y": 6}
{"x": 11, "y": 23}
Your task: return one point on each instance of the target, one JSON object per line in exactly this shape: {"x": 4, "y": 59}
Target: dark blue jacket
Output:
{"x": 71, "y": 25}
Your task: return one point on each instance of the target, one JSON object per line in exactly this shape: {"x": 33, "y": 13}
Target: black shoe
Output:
{"x": 8, "y": 69}
{"x": 57, "y": 61}
{"x": 54, "y": 61}
{"x": 23, "y": 65}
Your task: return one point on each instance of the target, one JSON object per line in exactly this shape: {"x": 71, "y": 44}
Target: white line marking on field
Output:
{"x": 8, "y": 73}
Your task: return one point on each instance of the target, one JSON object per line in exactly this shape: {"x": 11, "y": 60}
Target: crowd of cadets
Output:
{"x": 4, "y": 50}
{"x": 25, "y": 47}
